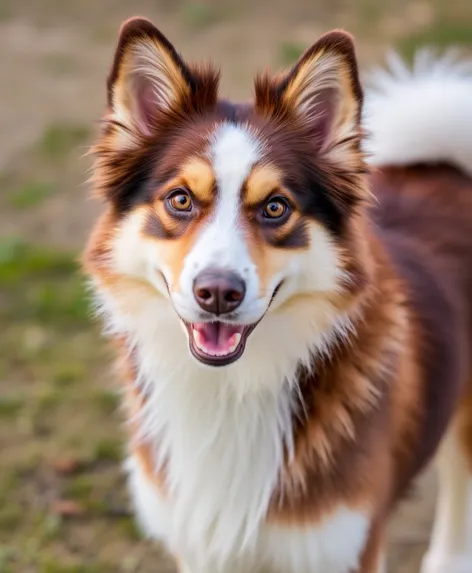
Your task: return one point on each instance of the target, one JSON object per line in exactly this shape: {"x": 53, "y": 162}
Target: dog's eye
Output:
{"x": 180, "y": 200}
{"x": 276, "y": 209}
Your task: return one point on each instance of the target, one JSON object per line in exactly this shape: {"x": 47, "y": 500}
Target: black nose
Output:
{"x": 219, "y": 292}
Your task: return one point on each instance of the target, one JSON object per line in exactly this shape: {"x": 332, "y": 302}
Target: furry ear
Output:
{"x": 322, "y": 91}
{"x": 149, "y": 81}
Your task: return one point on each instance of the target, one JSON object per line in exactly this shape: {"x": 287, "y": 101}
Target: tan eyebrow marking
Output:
{"x": 261, "y": 181}
{"x": 198, "y": 175}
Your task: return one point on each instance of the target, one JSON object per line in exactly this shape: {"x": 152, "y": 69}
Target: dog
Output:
{"x": 288, "y": 284}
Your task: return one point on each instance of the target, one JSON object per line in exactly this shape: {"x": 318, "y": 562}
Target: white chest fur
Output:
{"x": 333, "y": 546}
{"x": 222, "y": 435}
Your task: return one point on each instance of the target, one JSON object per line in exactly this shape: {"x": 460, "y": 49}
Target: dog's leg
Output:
{"x": 382, "y": 563}
{"x": 374, "y": 558}
{"x": 450, "y": 548}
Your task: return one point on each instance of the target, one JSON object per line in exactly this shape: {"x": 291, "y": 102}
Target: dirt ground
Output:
{"x": 63, "y": 506}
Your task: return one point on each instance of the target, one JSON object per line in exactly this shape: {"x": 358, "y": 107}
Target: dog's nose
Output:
{"x": 219, "y": 292}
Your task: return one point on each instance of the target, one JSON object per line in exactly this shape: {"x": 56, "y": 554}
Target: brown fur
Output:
{"x": 372, "y": 414}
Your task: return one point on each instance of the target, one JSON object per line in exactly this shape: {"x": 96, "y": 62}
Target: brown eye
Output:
{"x": 180, "y": 200}
{"x": 276, "y": 209}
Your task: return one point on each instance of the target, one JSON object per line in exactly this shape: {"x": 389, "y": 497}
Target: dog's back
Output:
{"x": 422, "y": 149}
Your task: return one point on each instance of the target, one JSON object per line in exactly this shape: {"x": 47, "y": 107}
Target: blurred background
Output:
{"x": 63, "y": 505}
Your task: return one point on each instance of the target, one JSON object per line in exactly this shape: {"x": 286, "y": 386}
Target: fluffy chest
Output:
{"x": 221, "y": 452}
{"x": 332, "y": 545}
{"x": 221, "y": 456}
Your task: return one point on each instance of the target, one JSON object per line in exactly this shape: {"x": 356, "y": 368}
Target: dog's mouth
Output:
{"x": 217, "y": 343}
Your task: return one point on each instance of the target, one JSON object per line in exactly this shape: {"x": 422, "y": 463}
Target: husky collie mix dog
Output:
{"x": 289, "y": 286}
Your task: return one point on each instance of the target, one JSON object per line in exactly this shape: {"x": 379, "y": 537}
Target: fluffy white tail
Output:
{"x": 422, "y": 114}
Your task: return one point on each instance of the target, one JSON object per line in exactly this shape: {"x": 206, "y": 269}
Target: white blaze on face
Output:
{"x": 221, "y": 245}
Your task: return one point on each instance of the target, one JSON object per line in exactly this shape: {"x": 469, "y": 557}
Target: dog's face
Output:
{"x": 230, "y": 212}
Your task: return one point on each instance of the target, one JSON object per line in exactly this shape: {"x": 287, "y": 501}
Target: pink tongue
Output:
{"x": 216, "y": 336}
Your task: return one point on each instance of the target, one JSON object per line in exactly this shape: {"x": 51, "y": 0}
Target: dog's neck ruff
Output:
{"x": 218, "y": 437}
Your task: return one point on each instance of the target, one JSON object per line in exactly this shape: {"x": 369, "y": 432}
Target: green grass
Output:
{"x": 60, "y": 139}
{"x": 10, "y": 406}
{"x": 10, "y": 517}
{"x": 57, "y": 408}
{"x": 56, "y": 567}
{"x": 107, "y": 450}
{"x": 198, "y": 15}
{"x": 442, "y": 34}
{"x": 30, "y": 194}
{"x": 47, "y": 401}
{"x": 7, "y": 555}
{"x": 79, "y": 488}
{"x": 290, "y": 52}
{"x": 43, "y": 284}
{"x": 107, "y": 402}
{"x": 129, "y": 528}
{"x": 8, "y": 483}
{"x": 66, "y": 374}
{"x": 20, "y": 261}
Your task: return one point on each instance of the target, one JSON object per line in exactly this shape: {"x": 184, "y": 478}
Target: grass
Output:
{"x": 20, "y": 261}
{"x": 107, "y": 450}
{"x": 290, "y": 52}
{"x": 66, "y": 374}
{"x": 30, "y": 194}
{"x": 10, "y": 517}
{"x": 56, "y": 567}
{"x": 58, "y": 406}
{"x": 10, "y": 406}
{"x": 60, "y": 139}
{"x": 107, "y": 402}
{"x": 129, "y": 528}
{"x": 79, "y": 488}
{"x": 198, "y": 15}
{"x": 55, "y": 291}
{"x": 442, "y": 34}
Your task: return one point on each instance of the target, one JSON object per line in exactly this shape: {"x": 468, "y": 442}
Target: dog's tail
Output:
{"x": 422, "y": 114}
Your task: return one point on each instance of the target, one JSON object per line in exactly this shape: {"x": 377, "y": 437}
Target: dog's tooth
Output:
{"x": 236, "y": 340}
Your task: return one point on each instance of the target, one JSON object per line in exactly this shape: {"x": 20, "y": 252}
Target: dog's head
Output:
{"x": 231, "y": 213}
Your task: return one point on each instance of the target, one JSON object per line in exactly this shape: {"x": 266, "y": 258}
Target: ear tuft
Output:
{"x": 321, "y": 92}
{"x": 149, "y": 81}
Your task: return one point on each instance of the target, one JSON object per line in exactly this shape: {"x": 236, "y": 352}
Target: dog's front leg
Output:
{"x": 373, "y": 559}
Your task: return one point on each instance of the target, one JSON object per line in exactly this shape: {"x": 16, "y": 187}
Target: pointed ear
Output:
{"x": 322, "y": 91}
{"x": 149, "y": 80}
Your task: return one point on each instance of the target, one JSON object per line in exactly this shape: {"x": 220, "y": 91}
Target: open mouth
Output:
{"x": 217, "y": 343}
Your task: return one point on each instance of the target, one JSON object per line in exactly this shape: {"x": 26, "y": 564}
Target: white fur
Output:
{"x": 420, "y": 115}
{"x": 221, "y": 432}
{"x": 450, "y": 548}
{"x": 221, "y": 245}
{"x": 333, "y": 546}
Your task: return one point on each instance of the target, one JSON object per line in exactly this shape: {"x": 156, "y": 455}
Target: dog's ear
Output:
{"x": 149, "y": 81}
{"x": 321, "y": 91}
